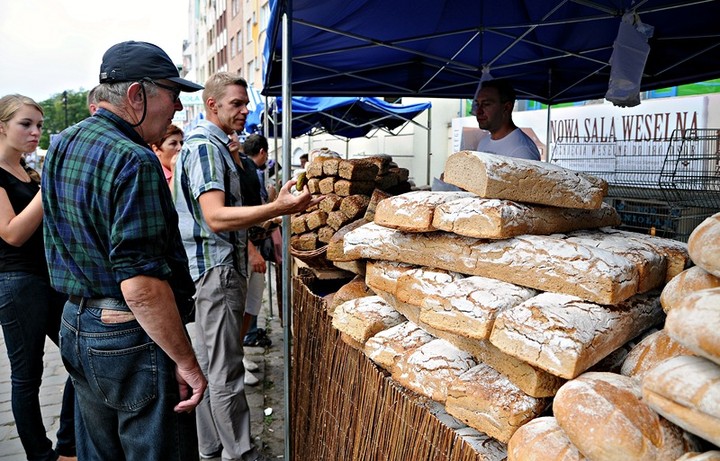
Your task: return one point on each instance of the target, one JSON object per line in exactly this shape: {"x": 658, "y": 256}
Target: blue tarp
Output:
{"x": 554, "y": 51}
{"x": 343, "y": 116}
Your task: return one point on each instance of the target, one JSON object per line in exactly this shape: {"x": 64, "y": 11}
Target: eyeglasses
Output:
{"x": 173, "y": 89}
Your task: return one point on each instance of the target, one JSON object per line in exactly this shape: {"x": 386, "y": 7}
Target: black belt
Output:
{"x": 101, "y": 303}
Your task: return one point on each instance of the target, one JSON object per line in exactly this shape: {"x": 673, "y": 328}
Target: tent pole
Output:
{"x": 287, "y": 262}
{"x": 429, "y": 152}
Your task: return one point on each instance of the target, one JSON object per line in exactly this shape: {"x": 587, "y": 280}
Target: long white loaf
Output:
{"x": 565, "y": 336}
{"x": 413, "y": 211}
{"x": 497, "y": 176}
{"x": 498, "y": 219}
{"x": 695, "y": 323}
{"x": 543, "y": 262}
{"x": 489, "y": 402}
{"x": 686, "y": 390}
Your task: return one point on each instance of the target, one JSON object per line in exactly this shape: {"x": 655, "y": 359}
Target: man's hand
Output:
{"x": 192, "y": 384}
{"x": 255, "y": 259}
{"x": 289, "y": 203}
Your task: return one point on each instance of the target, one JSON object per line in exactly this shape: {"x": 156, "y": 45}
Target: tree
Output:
{"x": 55, "y": 110}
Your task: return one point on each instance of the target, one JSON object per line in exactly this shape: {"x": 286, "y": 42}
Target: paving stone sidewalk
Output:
{"x": 267, "y": 431}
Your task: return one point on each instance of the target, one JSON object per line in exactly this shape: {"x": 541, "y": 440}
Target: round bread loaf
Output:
{"x": 604, "y": 417}
{"x": 695, "y": 323}
{"x": 688, "y": 281}
{"x": 542, "y": 440}
{"x": 704, "y": 245}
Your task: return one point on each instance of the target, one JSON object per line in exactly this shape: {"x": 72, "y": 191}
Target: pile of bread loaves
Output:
{"x": 516, "y": 305}
{"x": 351, "y": 189}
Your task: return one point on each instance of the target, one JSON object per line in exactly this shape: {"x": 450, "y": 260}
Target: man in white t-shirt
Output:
{"x": 493, "y": 106}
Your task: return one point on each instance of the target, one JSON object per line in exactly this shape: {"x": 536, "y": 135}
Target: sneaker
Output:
{"x": 250, "y": 365}
{"x": 254, "y": 455}
{"x": 250, "y": 379}
{"x": 215, "y": 454}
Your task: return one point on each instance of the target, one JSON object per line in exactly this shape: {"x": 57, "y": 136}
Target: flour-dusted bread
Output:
{"x": 499, "y": 219}
{"x": 689, "y": 281}
{"x": 488, "y": 401}
{"x": 430, "y": 368}
{"x": 364, "y": 317}
{"x": 565, "y": 335}
{"x": 384, "y": 275}
{"x": 413, "y": 211}
{"x": 651, "y": 264}
{"x": 695, "y": 323}
{"x": 650, "y": 352}
{"x": 416, "y": 285}
{"x": 468, "y": 306}
{"x": 675, "y": 252}
{"x": 543, "y": 262}
{"x": 704, "y": 245}
{"x": 531, "y": 380}
{"x": 604, "y": 416}
{"x": 542, "y": 439}
{"x": 498, "y": 176}
{"x": 386, "y": 347}
{"x": 335, "y": 250}
{"x": 686, "y": 390}
{"x": 354, "y": 289}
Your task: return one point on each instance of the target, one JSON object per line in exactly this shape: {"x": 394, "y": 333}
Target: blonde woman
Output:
{"x": 30, "y": 309}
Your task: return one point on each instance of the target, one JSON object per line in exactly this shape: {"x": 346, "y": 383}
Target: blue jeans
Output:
{"x": 126, "y": 389}
{"x": 29, "y": 311}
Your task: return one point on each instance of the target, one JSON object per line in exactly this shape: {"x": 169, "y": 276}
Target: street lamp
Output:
{"x": 65, "y": 103}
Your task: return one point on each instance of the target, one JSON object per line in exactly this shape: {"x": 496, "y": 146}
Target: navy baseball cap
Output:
{"x": 133, "y": 61}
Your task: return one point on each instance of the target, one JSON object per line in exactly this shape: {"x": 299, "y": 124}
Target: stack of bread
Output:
{"x": 351, "y": 189}
{"x": 519, "y": 301}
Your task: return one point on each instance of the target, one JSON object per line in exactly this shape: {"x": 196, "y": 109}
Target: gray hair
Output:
{"x": 115, "y": 93}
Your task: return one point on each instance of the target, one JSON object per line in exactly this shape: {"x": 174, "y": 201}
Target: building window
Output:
{"x": 232, "y": 47}
{"x": 235, "y": 7}
{"x": 264, "y": 16}
{"x": 239, "y": 41}
{"x": 248, "y": 31}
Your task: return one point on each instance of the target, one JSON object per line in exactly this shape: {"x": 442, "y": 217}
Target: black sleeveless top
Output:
{"x": 30, "y": 257}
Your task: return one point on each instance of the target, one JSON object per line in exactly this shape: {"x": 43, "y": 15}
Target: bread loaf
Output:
{"x": 468, "y": 306}
{"x": 316, "y": 219}
{"x": 335, "y": 250}
{"x": 546, "y": 263}
{"x": 358, "y": 169}
{"x": 364, "y": 317}
{"x": 542, "y": 439}
{"x": 704, "y": 245}
{"x": 565, "y": 336}
{"x": 327, "y": 185}
{"x": 330, "y": 166}
{"x": 314, "y": 169}
{"x": 689, "y": 281}
{"x": 487, "y": 401}
{"x": 430, "y": 368}
{"x": 501, "y": 177}
{"x": 354, "y": 289}
{"x": 375, "y": 198}
{"x": 651, "y": 265}
{"x": 355, "y": 267}
{"x": 695, "y": 323}
{"x": 414, "y": 211}
{"x": 604, "y": 416}
{"x": 650, "y": 352}
{"x": 416, "y": 285}
{"x": 386, "y": 347}
{"x": 686, "y": 390}
{"x": 298, "y": 224}
{"x": 354, "y": 205}
{"x": 313, "y": 185}
{"x": 498, "y": 219}
{"x": 330, "y": 202}
{"x": 343, "y": 187}
{"x": 304, "y": 242}
{"x": 325, "y": 234}
{"x": 384, "y": 275}
{"x": 675, "y": 252}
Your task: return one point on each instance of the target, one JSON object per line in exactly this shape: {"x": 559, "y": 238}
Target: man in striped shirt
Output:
{"x": 212, "y": 223}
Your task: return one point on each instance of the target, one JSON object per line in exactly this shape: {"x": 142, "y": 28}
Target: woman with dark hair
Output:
{"x": 30, "y": 309}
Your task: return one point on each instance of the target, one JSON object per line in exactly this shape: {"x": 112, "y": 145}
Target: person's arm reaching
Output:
{"x": 153, "y": 303}
{"x": 221, "y": 218}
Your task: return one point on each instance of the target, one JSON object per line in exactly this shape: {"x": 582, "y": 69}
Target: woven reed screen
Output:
{"x": 344, "y": 408}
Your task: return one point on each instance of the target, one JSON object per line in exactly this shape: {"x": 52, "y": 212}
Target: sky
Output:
{"x": 48, "y": 46}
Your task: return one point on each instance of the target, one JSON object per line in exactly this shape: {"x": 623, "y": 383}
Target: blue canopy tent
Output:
{"x": 554, "y": 51}
{"x": 342, "y": 116}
